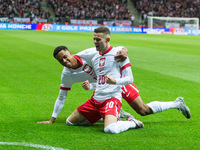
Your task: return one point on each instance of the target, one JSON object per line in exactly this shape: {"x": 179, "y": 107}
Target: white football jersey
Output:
{"x": 106, "y": 65}
{"x": 81, "y": 74}
{"x": 71, "y": 76}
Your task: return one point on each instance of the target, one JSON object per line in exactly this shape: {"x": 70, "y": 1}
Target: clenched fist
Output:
{"x": 110, "y": 79}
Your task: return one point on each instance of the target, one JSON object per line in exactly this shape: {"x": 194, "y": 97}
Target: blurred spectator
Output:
{"x": 89, "y": 9}
{"x": 171, "y": 8}
{"x": 23, "y": 9}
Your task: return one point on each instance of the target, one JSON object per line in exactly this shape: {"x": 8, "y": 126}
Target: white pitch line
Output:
{"x": 32, "y": 145}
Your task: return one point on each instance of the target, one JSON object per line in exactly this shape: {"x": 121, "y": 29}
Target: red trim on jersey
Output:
{"x": 64, "y": 88}
{"x": 79, "y": 59}
{"x": 106, "y": 51}
{"x": 124, "y": 67}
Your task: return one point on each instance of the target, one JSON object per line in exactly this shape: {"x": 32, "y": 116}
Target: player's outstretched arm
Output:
{"x": 121, "y": 54}
{"x": 48, "y": 122}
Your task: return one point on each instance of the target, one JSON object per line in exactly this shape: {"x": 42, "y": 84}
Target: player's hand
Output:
{"x": 86, "y": 85}
{"x": 110, "y": 79}
{"x": 121, "y": 55}
{"x": 45, "y": 122}
{"x": 48, "y": 122}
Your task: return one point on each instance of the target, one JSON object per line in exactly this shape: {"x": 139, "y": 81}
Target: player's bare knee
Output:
{"x": 69, "y": 123}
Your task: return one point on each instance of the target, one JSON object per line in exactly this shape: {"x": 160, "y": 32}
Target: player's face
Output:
{"x": 100, "y": 41}
{"x": 65, "y": 58}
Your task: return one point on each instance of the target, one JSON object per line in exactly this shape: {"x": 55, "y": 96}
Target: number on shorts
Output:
{"x": 110, "y": 104}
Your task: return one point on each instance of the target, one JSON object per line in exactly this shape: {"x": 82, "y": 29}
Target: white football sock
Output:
{"x": 162, "y": 106}
{"x": 119, "y": 126}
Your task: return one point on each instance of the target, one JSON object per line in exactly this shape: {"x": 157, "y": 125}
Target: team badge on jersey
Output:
{"x": 102, "y": 62}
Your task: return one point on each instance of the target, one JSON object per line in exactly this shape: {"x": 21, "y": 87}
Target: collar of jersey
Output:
{"x": 106, "y": 51}
{"x": 79, "y": 59}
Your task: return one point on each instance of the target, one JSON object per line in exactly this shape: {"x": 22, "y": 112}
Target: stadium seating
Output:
{"x": 98, "y": 9}
{"x": 89, "y": 9}
{"x": 171, "y": 8}
{"x": 22, "y": 9}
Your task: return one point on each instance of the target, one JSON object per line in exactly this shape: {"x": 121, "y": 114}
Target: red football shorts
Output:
{"x": 130, "y": 92}
{"x": 93, "y": 110}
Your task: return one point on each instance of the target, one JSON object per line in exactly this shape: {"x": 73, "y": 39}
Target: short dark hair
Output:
{"x": 58, "y": 49}
{"x": 102, "y": 29}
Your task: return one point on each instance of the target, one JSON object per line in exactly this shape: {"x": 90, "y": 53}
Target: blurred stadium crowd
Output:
{"x": 98, "y": 9}
{"x": 90, "y": 9}
{"x": 168, "y": 8}
{"x": 22, "y": 8}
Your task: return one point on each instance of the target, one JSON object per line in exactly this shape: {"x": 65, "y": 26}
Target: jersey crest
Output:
{"x": 102, "y": 62}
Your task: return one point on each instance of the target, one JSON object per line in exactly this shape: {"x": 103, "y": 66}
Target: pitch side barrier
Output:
{"x": 83, "y": 28}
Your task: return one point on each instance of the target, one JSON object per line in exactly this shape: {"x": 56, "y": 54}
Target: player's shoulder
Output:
{"x": 114, "y": 50}
{"x": 87, "y": 52}
{"x": 118, "y": 48}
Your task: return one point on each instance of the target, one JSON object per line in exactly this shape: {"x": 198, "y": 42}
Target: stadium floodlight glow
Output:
{"x": 173, "y": 22}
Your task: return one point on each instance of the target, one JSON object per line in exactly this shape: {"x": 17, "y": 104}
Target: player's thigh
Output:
{"x": 110, "y": 111}
{"x": 90, "y": 110}
{"x": 76, "y": 117}
{"x": 109, "y": 119}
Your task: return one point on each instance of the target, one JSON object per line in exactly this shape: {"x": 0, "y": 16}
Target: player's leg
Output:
{"x": 109, "y": 119}
{"x": 115, "y": 127}
{"x": 131, "y": 95}
{"x": 138, "y": 105}
{"x": 85, "y": 114}
{"x": 111, "y": 109}
{"x": 76, "y": 119}
{"x": 156, "y": 106}
{"x": 179, "y": 104}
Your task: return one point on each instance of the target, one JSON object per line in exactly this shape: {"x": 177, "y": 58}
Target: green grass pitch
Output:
{"x": 164, "y": 67}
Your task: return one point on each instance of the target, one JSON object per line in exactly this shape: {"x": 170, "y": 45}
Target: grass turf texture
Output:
{"x": 164, "y": 67}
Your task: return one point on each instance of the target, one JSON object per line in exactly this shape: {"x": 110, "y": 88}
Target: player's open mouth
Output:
{"x": 97, "y": 46}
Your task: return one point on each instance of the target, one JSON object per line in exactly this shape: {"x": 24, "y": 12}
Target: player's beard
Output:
{"x": 101, "y": 48}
